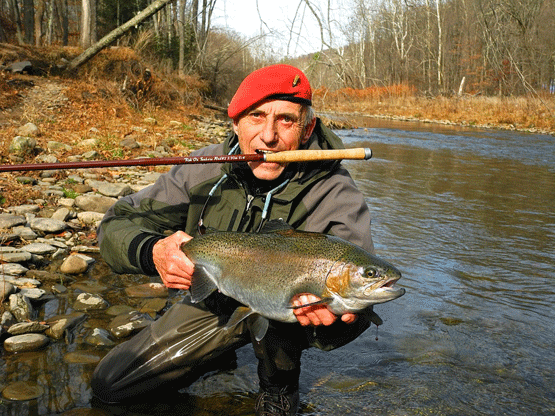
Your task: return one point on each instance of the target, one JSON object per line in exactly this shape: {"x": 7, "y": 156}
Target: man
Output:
{"x": 142, "y": 233}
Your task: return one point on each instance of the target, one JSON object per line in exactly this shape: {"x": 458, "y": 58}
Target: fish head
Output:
{"x": 355, "y": 285}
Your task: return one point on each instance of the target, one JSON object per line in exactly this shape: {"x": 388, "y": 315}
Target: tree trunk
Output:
{"x": 116, "y": 34}
{"x": 28, "y": 20}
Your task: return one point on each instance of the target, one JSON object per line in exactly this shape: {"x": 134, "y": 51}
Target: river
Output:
{"x": 468, "y": 216}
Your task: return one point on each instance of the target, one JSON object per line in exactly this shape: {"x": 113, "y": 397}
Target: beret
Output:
{"x": 278, "y": 82}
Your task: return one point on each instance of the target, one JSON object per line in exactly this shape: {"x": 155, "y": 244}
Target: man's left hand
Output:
{"x": 316, "y": 314}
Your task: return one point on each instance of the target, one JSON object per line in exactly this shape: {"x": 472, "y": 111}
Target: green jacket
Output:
{"x": 316, "y": 196}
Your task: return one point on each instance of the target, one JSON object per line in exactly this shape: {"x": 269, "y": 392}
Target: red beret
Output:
{"x": 278, "y": 82}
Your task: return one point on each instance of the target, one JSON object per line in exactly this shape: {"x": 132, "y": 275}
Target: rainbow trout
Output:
{"x": 264, "y": 271}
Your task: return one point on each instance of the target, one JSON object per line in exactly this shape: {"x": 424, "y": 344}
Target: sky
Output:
{"x": 253, "y": 17}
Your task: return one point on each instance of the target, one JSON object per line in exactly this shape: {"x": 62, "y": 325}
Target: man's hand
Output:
{"x": 174, "y": 267}
{"x": 316, "y": 314}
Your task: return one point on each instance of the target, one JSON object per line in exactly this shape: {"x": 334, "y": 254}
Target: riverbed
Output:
{"x": 468, "y": 216}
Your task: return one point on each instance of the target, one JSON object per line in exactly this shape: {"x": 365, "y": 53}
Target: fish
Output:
{"x": 264, "y": 271}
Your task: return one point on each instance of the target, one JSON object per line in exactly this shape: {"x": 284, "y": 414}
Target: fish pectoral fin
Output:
{"x": 323, "y": 301}
{"x": 201, "y": 285}
{"x": 258, "y": 325}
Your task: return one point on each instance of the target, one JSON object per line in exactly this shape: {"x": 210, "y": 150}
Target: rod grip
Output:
{"x": 288, "y": 156}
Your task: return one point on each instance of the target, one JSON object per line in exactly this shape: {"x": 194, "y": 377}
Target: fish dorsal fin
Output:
{"x": 258, "y": 326}
{"x": 201, "y": 284}
{"x": 273, "y": 226}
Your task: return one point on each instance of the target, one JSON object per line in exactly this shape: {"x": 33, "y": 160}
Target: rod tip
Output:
{"x": 367, "y": 153}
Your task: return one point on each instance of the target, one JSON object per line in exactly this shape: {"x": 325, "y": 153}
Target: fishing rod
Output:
{"x": 287, "y": 156}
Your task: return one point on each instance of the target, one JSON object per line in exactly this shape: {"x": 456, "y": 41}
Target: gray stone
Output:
{"x": 22, "y": 145}
{"x": 13, "y": 269}
{"x": 24, "y": 209}
{"x": 54, "y": 145}
{"x": 151, "y": 176}
{"x": 96, "y": 203}
{"x": 6, "y": 289}
{"x": 9, "y": 221}
{"x": 114, "y": 189}
{"x": 32, "y": 292}
{"x": 25, "y": 233}
{"x": 48, "y": 225}
{"x": 46, "y": 158}
{"x": 39, "y": 248}
{"x": 25, "y": 342}
{"x": 18, "y": 256}
{"x": 91, "y": 155}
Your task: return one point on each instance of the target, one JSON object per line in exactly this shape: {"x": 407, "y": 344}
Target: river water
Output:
{"x": 468, "y": 216}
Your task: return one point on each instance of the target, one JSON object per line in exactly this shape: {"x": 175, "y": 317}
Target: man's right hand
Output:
{"x": 174, "y": 267}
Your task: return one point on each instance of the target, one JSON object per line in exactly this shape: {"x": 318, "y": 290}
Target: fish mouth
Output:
{"x": 386, "y": 290}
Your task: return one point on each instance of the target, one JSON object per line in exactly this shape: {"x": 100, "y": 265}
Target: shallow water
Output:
{"x": 468, "y": 216}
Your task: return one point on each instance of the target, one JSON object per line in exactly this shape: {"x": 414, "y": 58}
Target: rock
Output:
{"x": 25, "y": 342}
{"x": 22, "y": 145}
{"x": 46, "y": 158}
{"x": 74, "y": 265}
{"x": 88, "y": 143}
{"x": 20, "y": 307}
{"x": 22, "y": 390}
{"x": 61, "y": 214}
{"x": 28, "y": 129}
{"x": 25, "y": 233}
{"x": 91, "y": 155}
{"x": 127, "y": 324}
{"x": 6, "y": 289}
{"x": 114, "y": 189}
{"x": 14, "y": 255}
{"x": 147, "y": 290}
{"x": 100, "y": 337}
{"x": 33, "y": 293}
{"x": 153, "y": 306}
{"x": 26, "y": 180}
{"x": 152, "y": 176}
{"x": 47, "y": 225}
{"x": 129, "y": 143}
{"x": 116, "y": 310}
{"x": 89, "y": 302}
{"x": 90, "y": 217}
{"x": 9, "y": 221}
{"x": 82, "y": 357}
{"x": 24, "y": 209}
{"x": 54, "y": 146}
{"x": 27, "y": 328}
{"x": 39, "y": 248}
{"x": 60, "y": 324}
{"x": 96, "y": 203}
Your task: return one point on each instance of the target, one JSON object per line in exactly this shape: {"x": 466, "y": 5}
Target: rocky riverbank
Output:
{"x": 54, "y": 287}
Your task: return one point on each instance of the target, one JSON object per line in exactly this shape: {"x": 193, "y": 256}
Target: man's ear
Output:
{"x": 235, "y": 126}
{"x": 308, "y": 130}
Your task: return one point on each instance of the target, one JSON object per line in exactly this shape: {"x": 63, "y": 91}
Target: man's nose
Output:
{"x": 269, "y": 131}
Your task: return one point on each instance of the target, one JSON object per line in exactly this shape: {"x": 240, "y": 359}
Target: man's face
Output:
{"x": 273, "y": 126}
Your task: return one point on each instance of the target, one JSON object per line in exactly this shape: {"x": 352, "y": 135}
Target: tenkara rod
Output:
{"x": 280, "y": 157}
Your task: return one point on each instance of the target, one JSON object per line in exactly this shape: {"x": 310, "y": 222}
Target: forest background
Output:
{"x": 474, "y": 62}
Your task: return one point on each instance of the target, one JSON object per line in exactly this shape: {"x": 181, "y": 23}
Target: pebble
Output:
{"x": 25, "y": 342}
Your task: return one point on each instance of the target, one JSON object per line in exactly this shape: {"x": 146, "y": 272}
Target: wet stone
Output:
{"x": 100, "y": 337}
{"x": 116, "y": 310}
{"x": 154, "y": 305}
{"x": 74, "y": 265}
{"x": 147, "y": 290}
{"x": 20, "y": 307}
{"x": 128, "y": 324}
{"x": 89, "y": 302}
{"x": 27, "y": 328}
{"x": 82, "y": 357}
{"x": 89, "y": 287}
{"x": 25, "y": 342}
{"x": 59, "y": 324}
{"x": 33, "y": 293}
{"x": 22, "y": 390}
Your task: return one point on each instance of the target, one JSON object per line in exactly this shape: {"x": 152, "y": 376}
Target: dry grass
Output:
{"x": 522, "y": 113}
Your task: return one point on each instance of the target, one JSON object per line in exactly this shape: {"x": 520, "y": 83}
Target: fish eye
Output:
{"x": 371, "y": 273}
